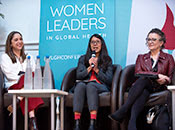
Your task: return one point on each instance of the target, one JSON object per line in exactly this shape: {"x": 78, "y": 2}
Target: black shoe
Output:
{"x": 92, "y": 125}
{"x": 77, "y": 125}
{"x": 33, "y": 124}
{"x": 118, "y": 116}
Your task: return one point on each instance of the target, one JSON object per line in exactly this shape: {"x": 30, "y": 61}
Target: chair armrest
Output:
{"x": 69, "y": 79}
{"x": 115, "y": 87}
{"x": 126, "y": 80}
{"x": 161, "y": 97}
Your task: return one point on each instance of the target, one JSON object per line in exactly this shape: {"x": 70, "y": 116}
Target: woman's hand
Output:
{"x": 89, "y": 69}
{"x": 94, "y": 61}
{"x": 90, "y": 64}
{"x": 163, "y": 79}
{"x": 95, "y": 68}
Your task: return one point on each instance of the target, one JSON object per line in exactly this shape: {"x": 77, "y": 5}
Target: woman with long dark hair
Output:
{"x": 94, "y": 75}
{"x": 13, "y": 65}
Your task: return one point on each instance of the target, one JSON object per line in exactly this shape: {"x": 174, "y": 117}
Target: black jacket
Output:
{"x": 105, "y": 77}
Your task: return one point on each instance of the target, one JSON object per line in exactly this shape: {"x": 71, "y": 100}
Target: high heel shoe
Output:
{"x": 118, "y": 116}
{"x": 114, "y": 118}
{"x": 33, "y": 124}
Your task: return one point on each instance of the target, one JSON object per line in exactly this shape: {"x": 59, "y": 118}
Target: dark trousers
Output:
{"x": 138, "y": 95}
{"x": 87, "y": 91}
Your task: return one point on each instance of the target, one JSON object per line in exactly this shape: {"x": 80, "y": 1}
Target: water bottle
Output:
{"x": 47, "y": 78}
{"x": 28, "y": 79}
{"x": 37, "y": 74}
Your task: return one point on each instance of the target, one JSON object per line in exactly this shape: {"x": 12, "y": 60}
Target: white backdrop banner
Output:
{"x": 145, "y": 15}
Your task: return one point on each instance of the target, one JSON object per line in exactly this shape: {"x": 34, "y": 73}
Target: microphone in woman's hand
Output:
{"x": 93, "y": 55}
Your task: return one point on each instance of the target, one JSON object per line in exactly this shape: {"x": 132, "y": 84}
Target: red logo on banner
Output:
{"x": 169, "y": 30}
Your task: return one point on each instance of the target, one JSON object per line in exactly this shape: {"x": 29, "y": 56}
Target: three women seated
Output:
{"x": 95, "y": 73}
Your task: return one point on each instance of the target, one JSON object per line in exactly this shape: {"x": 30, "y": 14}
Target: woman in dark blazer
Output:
{"x": 94, "y": 75}
{"x": 156, "y": 63}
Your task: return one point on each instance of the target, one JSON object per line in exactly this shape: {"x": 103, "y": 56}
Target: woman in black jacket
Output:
{"x": 156, "y": 63}
{"x": 94, "y": 75}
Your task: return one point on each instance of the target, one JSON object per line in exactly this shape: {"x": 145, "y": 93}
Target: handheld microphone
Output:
{"x": 93, "y": 55}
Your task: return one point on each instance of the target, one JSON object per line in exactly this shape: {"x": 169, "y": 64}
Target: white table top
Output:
{"x": 38, "y": 92}
{"x": 171, "y": 87}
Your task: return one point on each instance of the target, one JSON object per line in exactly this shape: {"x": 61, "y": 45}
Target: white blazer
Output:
{"x": 11, "y": 69}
